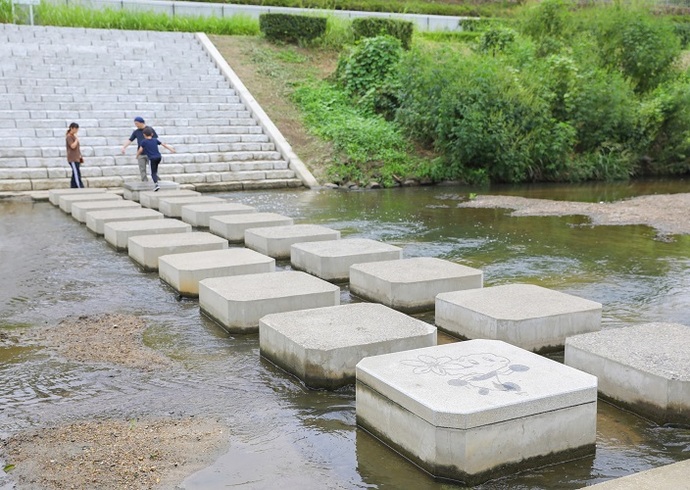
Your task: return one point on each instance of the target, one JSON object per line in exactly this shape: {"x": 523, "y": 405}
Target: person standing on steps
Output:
{"x": 149, "y": 147}
{"x": 74, "y": 157}
{"x": 138, "y": 135}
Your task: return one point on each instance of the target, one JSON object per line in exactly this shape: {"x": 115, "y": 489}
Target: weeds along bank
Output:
{"x": 556, "y": 93}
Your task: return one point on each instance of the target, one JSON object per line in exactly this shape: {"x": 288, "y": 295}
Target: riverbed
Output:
{"x": 54, "y": 269}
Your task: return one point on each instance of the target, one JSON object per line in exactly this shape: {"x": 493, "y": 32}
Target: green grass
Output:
{"x": 77, "y": 16}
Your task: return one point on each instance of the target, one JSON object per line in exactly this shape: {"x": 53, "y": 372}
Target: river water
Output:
{"x": 52, "y": 267}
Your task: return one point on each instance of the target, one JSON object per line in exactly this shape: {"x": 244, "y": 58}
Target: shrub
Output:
{"x": 368, "y": 65}
{"x": 292, "y": 28}
{"x": 373, "y": 27}
{"x": 495, "y": 40}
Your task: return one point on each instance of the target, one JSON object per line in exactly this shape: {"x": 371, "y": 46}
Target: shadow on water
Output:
{"x": 53, "y": 268}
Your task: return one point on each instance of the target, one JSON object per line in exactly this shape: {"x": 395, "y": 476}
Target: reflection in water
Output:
{"x": 52, "y": 267}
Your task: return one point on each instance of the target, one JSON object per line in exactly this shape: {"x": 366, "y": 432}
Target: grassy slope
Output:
{"x": 269, "y": 72}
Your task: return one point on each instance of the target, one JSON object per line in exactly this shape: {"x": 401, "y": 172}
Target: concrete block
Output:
{"x": 66, "y": 200}
{"x": 275, "y": 241}
{"x": 331, "y": 260}
{"x": 118, "y": 233}
{"x": 133, "y": 189}
{"x": 146, "y": 249}
{"x": 96, "y": 220}
{"x": 644, "y": 368}
{"x": 322, "y": 346}
{"x": 673, "y": 476}
{"x": 172, "y": 206}
{"x": 238, "y": 302}
{"x": 79, "y": 209}
{"x": 15, "y": 185}
{"x": 476, "y": 410}
{"x": 199, "y": 214}
{"x": 411, "y": 284}
{"x": 525, "y": 315}
{"x": 184, "y": 271}
{"x": 149, "y": 199}
{"x": 233, "y": 226}
{"x": 54, "y": 194}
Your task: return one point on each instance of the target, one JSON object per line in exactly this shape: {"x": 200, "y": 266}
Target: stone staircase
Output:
{"x": 102, "y": 79}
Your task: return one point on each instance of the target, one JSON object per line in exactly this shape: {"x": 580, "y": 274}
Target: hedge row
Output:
{"x": 292, "y": 28}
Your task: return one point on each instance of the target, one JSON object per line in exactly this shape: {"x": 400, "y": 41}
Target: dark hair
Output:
{"x": 72, "y": 126}
{"x": 148, "y": 131}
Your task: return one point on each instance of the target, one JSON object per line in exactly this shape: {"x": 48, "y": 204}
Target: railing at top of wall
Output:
{"x": 180, "y": 8}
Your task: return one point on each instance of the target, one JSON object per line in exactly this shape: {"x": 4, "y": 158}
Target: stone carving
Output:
{"x": 484, "y": 373}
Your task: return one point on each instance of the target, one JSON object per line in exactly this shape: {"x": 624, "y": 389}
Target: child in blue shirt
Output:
{"x": 149, "y": 147}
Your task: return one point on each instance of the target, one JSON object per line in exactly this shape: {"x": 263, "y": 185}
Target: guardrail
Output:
{"x": 175, "y": 8}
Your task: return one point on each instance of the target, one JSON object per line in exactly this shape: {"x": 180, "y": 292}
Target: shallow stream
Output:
{"x": 51, "y": 267}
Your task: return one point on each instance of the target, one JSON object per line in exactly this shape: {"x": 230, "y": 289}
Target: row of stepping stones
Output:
{"x": 468, "y": 411}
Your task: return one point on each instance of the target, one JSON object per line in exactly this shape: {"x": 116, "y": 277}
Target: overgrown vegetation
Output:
{"x": 79, "y": 16}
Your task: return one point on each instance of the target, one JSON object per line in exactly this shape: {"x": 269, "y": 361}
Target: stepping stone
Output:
{"x": 528, "y": 316}
{"x": 411, "y": 284}
{"x": 199, "y": 214}
{"x": 673, "y": 476}
{"x": 322, "y": 346}
{"x": 55, "y": 194}
{"x": 133, "y": 190}
{"x": 79, "y": 209}
{"x": 331, "y": 260}
{"x": 146, "y": 249}
{"x": 66, "y": 201}
{"x": 184, "y": 271}
{"x": 233, "y": 226}
{"x": 275, "y": 241}
{"x": 238, "y": 302}
{"x": 645, "y": 368}
{"x": 172, "y": 206}
{"x": 118, "y": 233}
{"x": 477, "y": 410}
{"x": 96, "y": 220}
{"x": 149, "y": 199}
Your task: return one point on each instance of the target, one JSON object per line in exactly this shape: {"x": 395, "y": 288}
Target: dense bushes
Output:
{"x": 292, "y": 28}
{"x": 563, "y": 95}
{"x": 373, "y": 27}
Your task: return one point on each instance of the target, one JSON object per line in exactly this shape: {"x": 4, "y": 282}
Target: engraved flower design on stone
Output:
{"x": 484, "y": 372}
{"x": 438, "y": 365}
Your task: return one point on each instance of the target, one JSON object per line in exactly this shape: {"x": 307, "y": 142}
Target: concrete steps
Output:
{"x": 102, "y": 79}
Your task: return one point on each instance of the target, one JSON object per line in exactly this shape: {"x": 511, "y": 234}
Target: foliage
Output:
{"x": 476, "y": 9}
{"x": 373, "y": 27}
{"x": 495, "y": 40}
{"x": 292, "y": 28}
{"x": 448, "y": 36}
{"x": 77, "y": 16}
{"x": 368, "y": 64}
{"x": 6, "y": 12}
{"x": 366, "y": 146}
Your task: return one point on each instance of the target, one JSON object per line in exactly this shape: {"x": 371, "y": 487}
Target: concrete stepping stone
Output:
{"x": 118, "y": 233}
{"x": 232, "y": 227}
{"x": 79, "y": 209}
{"x": 671, "y": 476}
{"x": 55, "y": 194}
{"x": 172, "y": 206}
{"x": 275, "y": 241}
{"x": 238, "y": 302}
{"x": 96, "y": 220}
{"x": 199, "y": 214}
{"x": 146, "y": 249}
{"x": 645, "y": 368}
{"x": 67, "y": 200}
{"x": 184, "y": 271}
{"x": 525, "y": 315}
{"x": 149, "y": 199}
{"x": 322, "y": 346}
{"x": 133, "y": 190}
{"x": 411, "y": 284}
{"x": 331, "y": 260}
{"x": 476, "y": 410}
